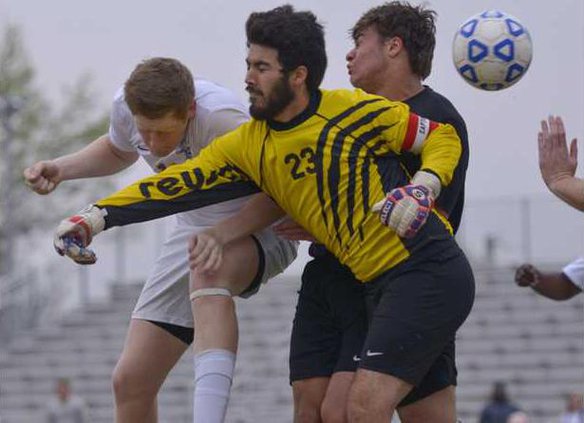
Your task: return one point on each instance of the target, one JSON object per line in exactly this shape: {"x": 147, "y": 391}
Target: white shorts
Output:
{"x": 165, "y": 296}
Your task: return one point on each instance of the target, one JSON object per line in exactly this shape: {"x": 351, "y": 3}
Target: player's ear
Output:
{"x": 298, "y": 76}
{"x": 393, "y": 46}
{"x": 192, "y": 109}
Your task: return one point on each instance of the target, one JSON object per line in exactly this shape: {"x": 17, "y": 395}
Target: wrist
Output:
{"x": 218, "y": 235}
{"x": 59, "y": 170}
{"x": 429, "y": 180}
{"x": 558, "y": 180}
{"x": 95, "y": 218}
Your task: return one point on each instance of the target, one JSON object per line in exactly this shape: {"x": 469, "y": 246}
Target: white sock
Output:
{"x": 213, "y": 376}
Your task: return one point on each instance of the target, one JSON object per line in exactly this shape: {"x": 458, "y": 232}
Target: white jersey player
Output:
{"x": 164, "y": 117}
{"x": 217, "y": 111}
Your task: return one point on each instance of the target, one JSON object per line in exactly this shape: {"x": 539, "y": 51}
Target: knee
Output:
{"x": 209, "y": 286}
{"x": 359, "y": 404}
{"x": 207, "y": 291}
{"x": 123, "y": 381}
{"x": 201, "y": 280}
{"x": 307, "y": 408}
{"x": 207, "y": 303}
{"x": 356, "y": 410}
{"x": 331, "y": 412}
{"x": 129, "y": 384}
{"x": 307, "y": 412}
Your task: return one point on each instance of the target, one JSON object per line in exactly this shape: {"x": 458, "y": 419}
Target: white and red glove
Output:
{"x": 75, "y": 233}
{"x": 406, "y": 209}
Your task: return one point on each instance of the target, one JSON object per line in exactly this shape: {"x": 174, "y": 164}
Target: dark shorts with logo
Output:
{"x": 330, "y": 323}
{"x": 415, "y": 310}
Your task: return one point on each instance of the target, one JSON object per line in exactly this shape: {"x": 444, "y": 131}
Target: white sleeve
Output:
{"x": 121, "y": 126}
{"x": 575, "y": 272}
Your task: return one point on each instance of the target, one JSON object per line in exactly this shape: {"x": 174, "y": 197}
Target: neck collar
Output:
{"x": 310, "y": 110}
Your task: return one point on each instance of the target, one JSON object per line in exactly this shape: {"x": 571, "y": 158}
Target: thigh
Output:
{"x": 149, "y": 354}
{"x": 330, "y": 324}
{"x": 439, "y": 407}
{"x": 417, "y": 315}
{"x": 441, "y": 375}
{"x": 334, "y": 405}
{"x": 185, "y": 334}
{"x": 239, "y": 268}
{"x": 376, "y": 395}
{"x": 308, "y": 397}
{"x": 275, "y": 255}
{"x": 279, "y": 253}
{"x": 315, "y": 339}
{"x": 350, "y": 316}
{"x": 165, "y": 295}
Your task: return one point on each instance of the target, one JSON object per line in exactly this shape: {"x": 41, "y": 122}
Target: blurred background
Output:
{"x": 60, "y": 65}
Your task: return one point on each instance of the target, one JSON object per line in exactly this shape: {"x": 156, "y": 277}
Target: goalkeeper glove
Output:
{"x": 406, "y": 209}
{"x": 75, "y": 233}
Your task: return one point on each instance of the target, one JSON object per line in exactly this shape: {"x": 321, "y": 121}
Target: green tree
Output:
{"x": 31, "y": 128}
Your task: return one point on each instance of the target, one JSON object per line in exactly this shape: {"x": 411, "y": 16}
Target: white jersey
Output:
{"x": 575, "y": 272}
{"x": 217, "y": 112}
{"x": 165, "y": 296}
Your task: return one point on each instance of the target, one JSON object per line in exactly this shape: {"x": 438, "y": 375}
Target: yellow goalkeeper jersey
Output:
{"x": 325, "y": 168}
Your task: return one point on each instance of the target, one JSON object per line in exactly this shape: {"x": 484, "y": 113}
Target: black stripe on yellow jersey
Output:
{"x": 119, "y": 215}
{"x": 358, "y": 142}
{"x": 325, "y": 168}
{"x": 322, "y": 139}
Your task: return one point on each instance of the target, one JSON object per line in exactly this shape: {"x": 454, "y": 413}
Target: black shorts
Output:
{"x": 186, "y": 334}
{"x": 330, "y": 323}
{"x": 416, "y": 309}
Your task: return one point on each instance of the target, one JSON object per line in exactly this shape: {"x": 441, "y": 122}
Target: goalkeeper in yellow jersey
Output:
{"x": 329, "y": 159}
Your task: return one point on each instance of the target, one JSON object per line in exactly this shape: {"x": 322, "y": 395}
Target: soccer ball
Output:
{"x": 492, "y": 50}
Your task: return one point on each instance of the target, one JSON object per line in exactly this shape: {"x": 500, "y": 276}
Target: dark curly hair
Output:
{"x": 296, "y": 36}
{"x": 413, "y": 24}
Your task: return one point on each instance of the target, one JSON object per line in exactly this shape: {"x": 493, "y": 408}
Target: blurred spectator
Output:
{"x": 499, "y": 408}
{"x": 557, "y": 286}
{"x": 518, "y": 417}
{"x": 574, "y": 409}
{"x": 558, "y": 164}
{"x": 66, "y": 407}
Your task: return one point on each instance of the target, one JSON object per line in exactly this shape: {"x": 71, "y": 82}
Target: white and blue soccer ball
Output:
{"x": 492, "y": 50}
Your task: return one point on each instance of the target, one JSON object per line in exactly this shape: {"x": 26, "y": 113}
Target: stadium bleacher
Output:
{"x": 533, "y": 344}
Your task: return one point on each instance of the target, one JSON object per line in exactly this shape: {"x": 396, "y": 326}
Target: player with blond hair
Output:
{"x": 165, "y": 117}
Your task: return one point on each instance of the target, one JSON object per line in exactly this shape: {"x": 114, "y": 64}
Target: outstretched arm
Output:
{"x": 558, "y": 164}
{"x": 100, "y": 158}
{"x": 206, "y": 248}
{"x": 556, "y": 286}
{"x": 207, "y": 179}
